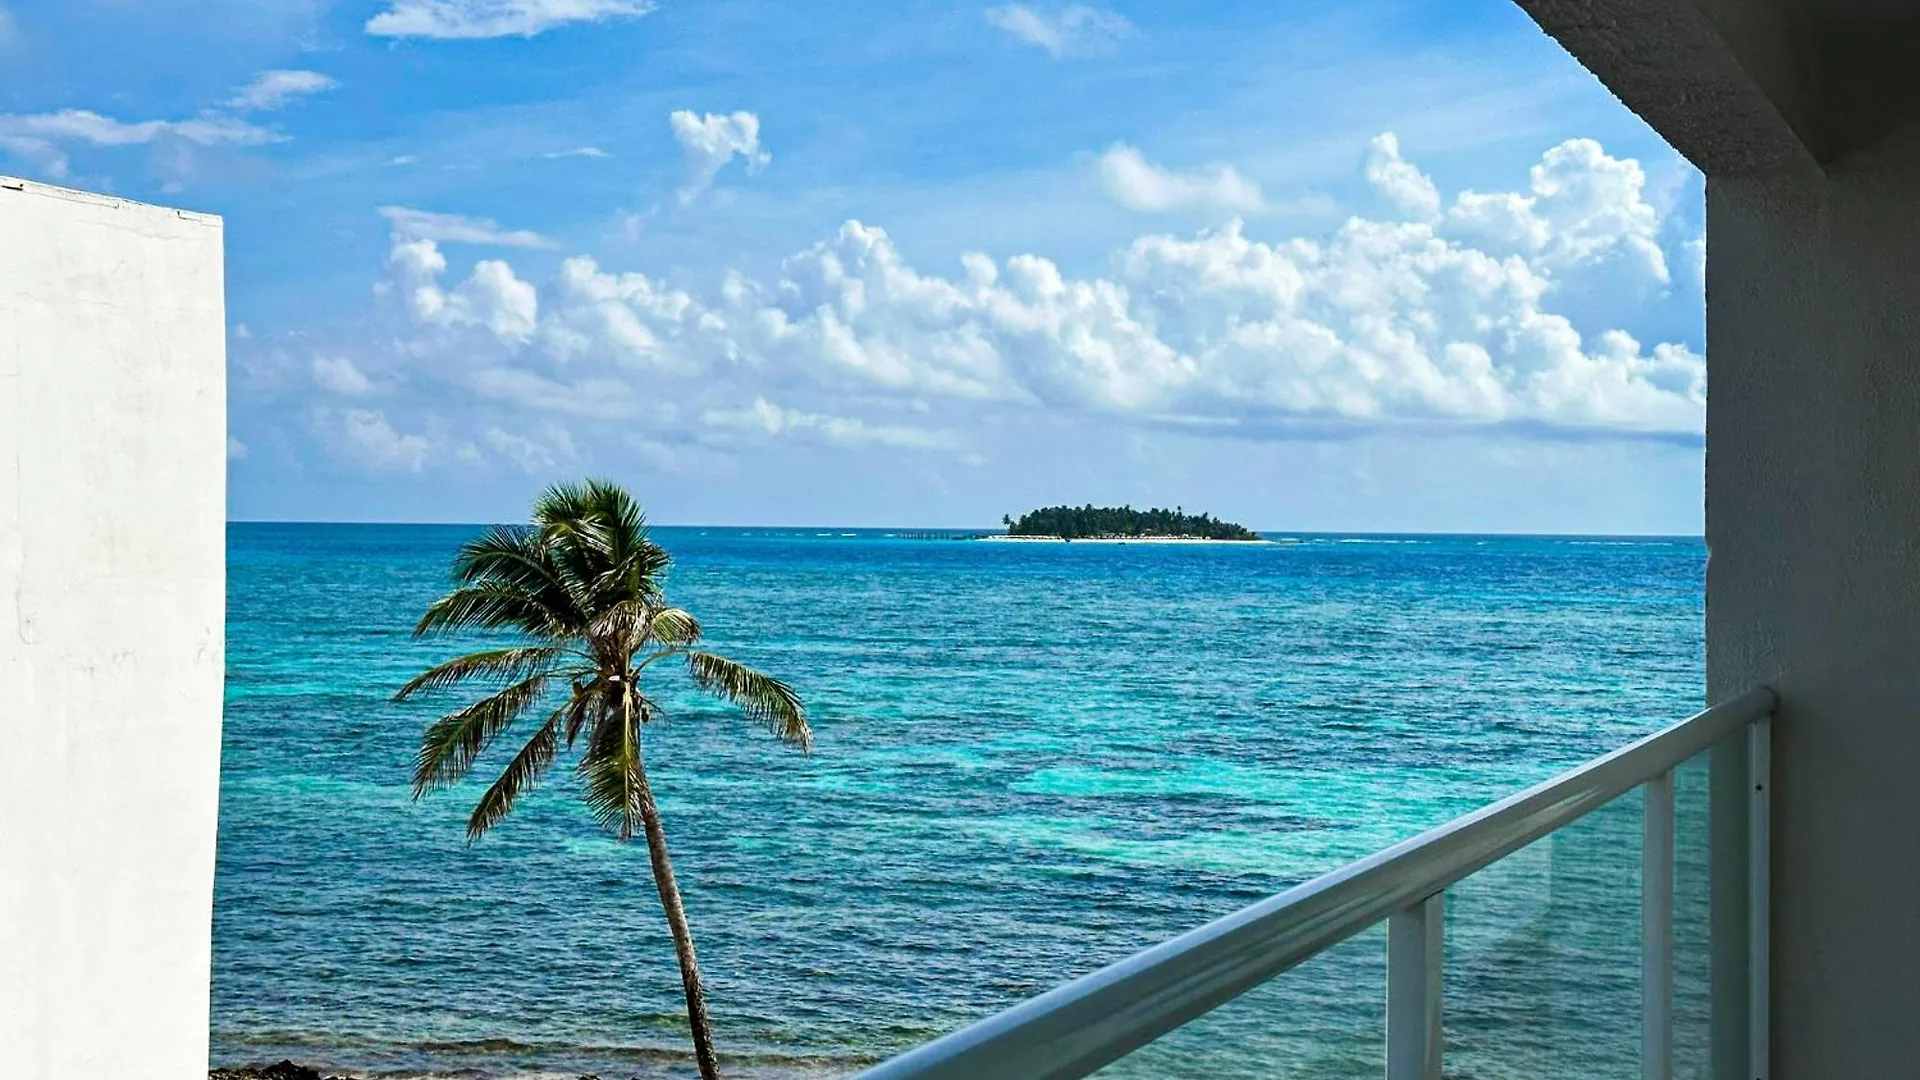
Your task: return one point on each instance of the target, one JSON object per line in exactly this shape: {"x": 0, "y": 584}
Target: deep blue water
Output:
{"x": 1031, "y": 760}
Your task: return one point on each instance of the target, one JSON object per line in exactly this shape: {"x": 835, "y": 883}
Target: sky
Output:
{"x": 1363, "y": 266}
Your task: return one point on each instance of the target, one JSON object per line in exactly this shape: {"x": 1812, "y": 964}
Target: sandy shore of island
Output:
{"x": 999, "y": 538}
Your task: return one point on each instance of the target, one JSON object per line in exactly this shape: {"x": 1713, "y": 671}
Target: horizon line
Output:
{"x": 995, "y": 529}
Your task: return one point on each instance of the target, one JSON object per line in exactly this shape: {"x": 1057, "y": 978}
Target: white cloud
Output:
{"x": 271, "y": 90}
{"x": 80, "y": 125}
{"x": 367, "y": 436}
{"x": 764, "y": 417}
{"x": 44, "y": 155}
{"x": 552, "y": 447}
{"x": 1409, "y": 189}
{"x": 339, "y": 375}
{"x": 628, "y": 226}
{"x": 1134, "y": 182}
{"x": 236, "y": 450}
{"x": 491, "y": 297}
{"x": 578, "y": 151}
{"x": 411, "y": 224}
{"x": 1074, "y": 30}
{"x": 711, "y": 141}
{"x": 594, "y": 398}
{"x": 446, "y": 20}
{"x": 1584, "y": 207}
{"x": 1380, "y": 323}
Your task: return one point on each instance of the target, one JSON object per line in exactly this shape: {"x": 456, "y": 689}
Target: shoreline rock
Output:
{"x": 287, "y": 1070}
{"x": 280, "y": 1070}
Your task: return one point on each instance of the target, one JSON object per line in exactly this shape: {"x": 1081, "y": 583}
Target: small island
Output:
{"x": 1121, "y": 524}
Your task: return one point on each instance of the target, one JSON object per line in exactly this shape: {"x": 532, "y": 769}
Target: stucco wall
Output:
{"x": 1813, "y": 520}
{"x": 112, "y": 551}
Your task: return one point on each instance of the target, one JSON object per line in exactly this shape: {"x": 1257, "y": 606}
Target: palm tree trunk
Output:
{"x": 682, "y": 936}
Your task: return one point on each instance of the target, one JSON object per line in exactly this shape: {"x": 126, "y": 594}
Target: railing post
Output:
{"x": 1759, "y": 898}
{"x": 1414, "y": 952}
{"x": 1656, "y": 930}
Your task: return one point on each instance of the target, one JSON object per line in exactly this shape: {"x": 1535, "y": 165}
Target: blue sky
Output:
{"x": 1376, "y": 266}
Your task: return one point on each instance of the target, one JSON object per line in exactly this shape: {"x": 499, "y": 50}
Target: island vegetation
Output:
{"x": 1107, "y": 522}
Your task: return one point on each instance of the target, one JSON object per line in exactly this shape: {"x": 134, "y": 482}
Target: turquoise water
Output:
{"x": 1031, "y": 760}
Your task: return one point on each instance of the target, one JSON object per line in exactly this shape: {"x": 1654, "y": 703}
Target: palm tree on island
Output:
{"x": 582, "y": 589}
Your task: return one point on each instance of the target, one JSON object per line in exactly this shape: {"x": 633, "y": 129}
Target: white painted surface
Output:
{"x": 1813, "y": 518}
{"x": 112, "y": 552}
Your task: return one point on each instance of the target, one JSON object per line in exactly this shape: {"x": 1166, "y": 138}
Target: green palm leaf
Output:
{"x": 451, "y": 743}
{"x": 761, "y": 697}
{"x": 674, "y": 626}
{"x": 501, "y": 664}
{"x": 519, "y": 775}
{"x": 611, "y": 780}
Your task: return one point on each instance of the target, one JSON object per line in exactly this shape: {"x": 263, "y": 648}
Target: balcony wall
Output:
{"x": 112, "y": 551}
{"x": 1813, "y": 584}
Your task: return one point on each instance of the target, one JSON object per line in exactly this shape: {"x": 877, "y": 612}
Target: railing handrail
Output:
{"x": 1074, "y": 1029}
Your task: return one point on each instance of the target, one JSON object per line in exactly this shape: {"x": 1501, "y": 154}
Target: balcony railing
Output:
{"x": 1077, "y": 1028}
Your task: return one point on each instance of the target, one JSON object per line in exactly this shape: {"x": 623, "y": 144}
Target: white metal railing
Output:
{"x": 1075, "y": 1029}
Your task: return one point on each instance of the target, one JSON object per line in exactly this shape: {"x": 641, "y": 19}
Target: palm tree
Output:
{"x": 582, "y": 589}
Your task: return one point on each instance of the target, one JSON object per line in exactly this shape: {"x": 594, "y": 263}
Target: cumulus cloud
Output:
{"x": 271, "y": 90}
{"x": 711, "y": 141}
{"x": 491, "y": 297}
{"x": 411, "y": 224}
{"x": 542, "y": 451}
{"x": 1134, "y": 182}
{"x": 340, "y": 376}
{"x": 1584, "y": 207}
{"x": 448, "y": 20}
{"x": 764, "y": 417}
{"x": 1379, "y": 323}
{"x": 1074, "y": 30}
{"x": 367, "y": 436}
{"x": 1409, "y": 189}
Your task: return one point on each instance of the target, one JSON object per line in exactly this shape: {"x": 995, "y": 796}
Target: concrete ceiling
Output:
{"x": 1756, "y": 86}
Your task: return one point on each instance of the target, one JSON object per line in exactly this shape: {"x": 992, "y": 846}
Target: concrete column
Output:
{"x": 112, "y": 594}
{"x": 1813, "y": 584}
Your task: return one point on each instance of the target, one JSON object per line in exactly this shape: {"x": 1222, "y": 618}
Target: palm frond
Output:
{"x": 522, "y": 558}
{"x": 493, "y": 605}
{"x": 503, "y": 664}
{"x": 519, "y": 775}
{"x": 622, "y": 627}
{"x": 674, "y": 626}
{"x": 612, "y": 782}
{"x": 451, "y": 743}
{"x": 580, "y": 708}
{"x": 762, "y": 697}
{"x": 598, "y": 534}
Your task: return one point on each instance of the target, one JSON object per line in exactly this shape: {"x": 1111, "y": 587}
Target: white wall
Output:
{"x": 1813, "y": 585}
{"x": 112, "y": 594}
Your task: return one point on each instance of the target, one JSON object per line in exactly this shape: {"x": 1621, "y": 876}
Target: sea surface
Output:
{"x": 1031, "y": 760}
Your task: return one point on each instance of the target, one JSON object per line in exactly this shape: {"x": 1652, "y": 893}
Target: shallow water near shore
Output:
{"x": 1032, "y": 760}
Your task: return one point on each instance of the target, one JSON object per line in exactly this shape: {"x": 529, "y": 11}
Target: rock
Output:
{"x": 282, "y": 1070}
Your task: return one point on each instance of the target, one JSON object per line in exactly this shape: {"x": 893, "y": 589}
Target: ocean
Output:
{"x": 1031, "y": 760}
